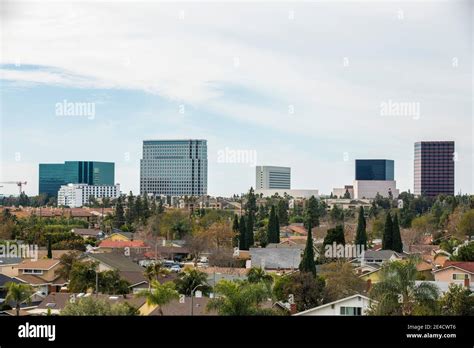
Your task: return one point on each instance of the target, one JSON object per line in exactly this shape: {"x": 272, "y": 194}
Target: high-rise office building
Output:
{"x": 53, "y": 175}
{"x": 434, "y": 168}
{"x": 271, "y": 177}
{"x": 374, "y": 176}
{"x": 174, "y": 167}
{"x": 374, "y": 169}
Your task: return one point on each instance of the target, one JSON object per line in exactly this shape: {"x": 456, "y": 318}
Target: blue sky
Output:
{"x": 301, "y": 84}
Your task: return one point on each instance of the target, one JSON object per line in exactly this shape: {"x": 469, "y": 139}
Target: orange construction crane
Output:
{"x": 18, "y": 183}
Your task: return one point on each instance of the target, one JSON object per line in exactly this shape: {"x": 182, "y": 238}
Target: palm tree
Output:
{"x": 154, "y": 271}
{"x": 160, "y": 294}
{"x": 239, "y": 298}
{"x": 258, "y": 275}
{"x": 18, "y": 293}
{"x": 190, "y": 279}
{"x": 397, "y": 294}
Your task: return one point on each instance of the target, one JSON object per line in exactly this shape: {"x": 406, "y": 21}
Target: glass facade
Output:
{"x": 53, "y": 175}
{"x": 174, "y": 167}
{"x": 434, "y": 168}
{"x": 374, "y": 169}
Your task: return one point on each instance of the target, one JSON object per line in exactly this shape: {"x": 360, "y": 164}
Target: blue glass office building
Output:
{"x": 53, "y": 175}
{"x": 374, "y": 169}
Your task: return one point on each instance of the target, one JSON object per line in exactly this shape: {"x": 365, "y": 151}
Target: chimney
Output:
{"x": 369, "y": 284}
{"x": 466, "y": 283}
{"x": 292, "y": 308}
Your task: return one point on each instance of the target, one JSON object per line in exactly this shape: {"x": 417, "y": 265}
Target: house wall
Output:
{"x": 9, "y": 270}
{"x": 446, "y": 275}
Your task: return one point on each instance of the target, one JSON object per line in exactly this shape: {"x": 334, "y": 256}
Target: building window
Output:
{"x": 351, "y": 310}
{"x": 460, "y": 276}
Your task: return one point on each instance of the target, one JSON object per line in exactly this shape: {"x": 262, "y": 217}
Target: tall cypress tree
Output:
{"x": 307, "y": 263}
{"x": 50, "y": 252}
{"x": 130, "y": 216}
{"x": 361, "y": 235}
{"x": 277, "y": 229}
{"x": 282, "y": 212}
{"x": 397, "y": 244}
{"x": 271, "y": 226}
{"x": 312, "y": 211}
{"x": 387, "y": 238}
{"x": 249, "y": 240}
{"x": 242, "y": 234}
{"x": 235, "y": 224}
{"x": 119, "y": 218}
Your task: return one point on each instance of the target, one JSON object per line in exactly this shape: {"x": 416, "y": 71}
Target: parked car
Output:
{"x": 175, "y": 268}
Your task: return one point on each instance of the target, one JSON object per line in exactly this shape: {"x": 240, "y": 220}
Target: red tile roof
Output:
{"x": 467, "y": 265}
{"x": 122, "y": 244}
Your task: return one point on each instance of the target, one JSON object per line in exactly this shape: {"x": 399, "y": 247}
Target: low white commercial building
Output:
{"x": 292, "y": 193}
{"x": 77, "y": 195}
{"x": 369, "y": 188}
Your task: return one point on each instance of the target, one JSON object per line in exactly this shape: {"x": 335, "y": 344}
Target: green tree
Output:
{"x": 82, "y": 276}
{"x": 272, "y": 227}
{"x": 361, "y": 234}
{"x": 464, "y": 253}
{"x": 249, "y": 231}
{"x": 335, "y": 235}
{"x": 312, "y": 211}
{"x": 50, "y": 252}
{"x": 18, "y": 293}
{"x": 154, "y": 271}
{"x": 466, "y": 224}
{"x": 282, "y": 212}
{"x": 160, "y": 294}
{"x": 130, "y": 215}
{"x": 306, "y": 289}
{"x": 396, "y": 237}
{"x": 66, "y": 262}
{"x": 457, "y": 301}
{"x": 91, "y": 306}
{"x": 119, "y": 217}
{"x": 235, "y": 224}
{"x": 237, "y": 298}
{"x": 341, "y": 281}
{"x": 307, "y": 263}
{"x": 387, "y": 238}
{"x": 397, "y": 293}
{"x": 258, "y": 275}
{"x": 242, "y": 234}
{"x": 336, "y": 214}
{"x": 190, "y": 279}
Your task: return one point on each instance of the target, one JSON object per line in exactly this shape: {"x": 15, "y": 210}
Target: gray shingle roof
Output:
{"x": 275, "y": 258}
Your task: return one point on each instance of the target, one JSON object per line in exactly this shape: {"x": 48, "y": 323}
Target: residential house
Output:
{"x": 55, "y": 302}
{"x": 8, "y": 265}
{"x": 455, "y": 272}
{"x": 88, "y": 233}
{"x": 275, "y": 258}
{"x": 131, "y": 246}
{"x": 353, "y": 305}
{"x": 41, "y": 275}
{"x": 126, "y": 268}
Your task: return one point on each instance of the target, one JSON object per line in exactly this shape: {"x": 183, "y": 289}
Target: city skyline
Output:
{"x": 314, "y": 90}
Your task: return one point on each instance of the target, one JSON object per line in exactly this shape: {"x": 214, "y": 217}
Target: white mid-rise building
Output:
{"x": 370, "y": 188}
{"x": 272, "y": 178}
{"x": 77, "y": 195}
